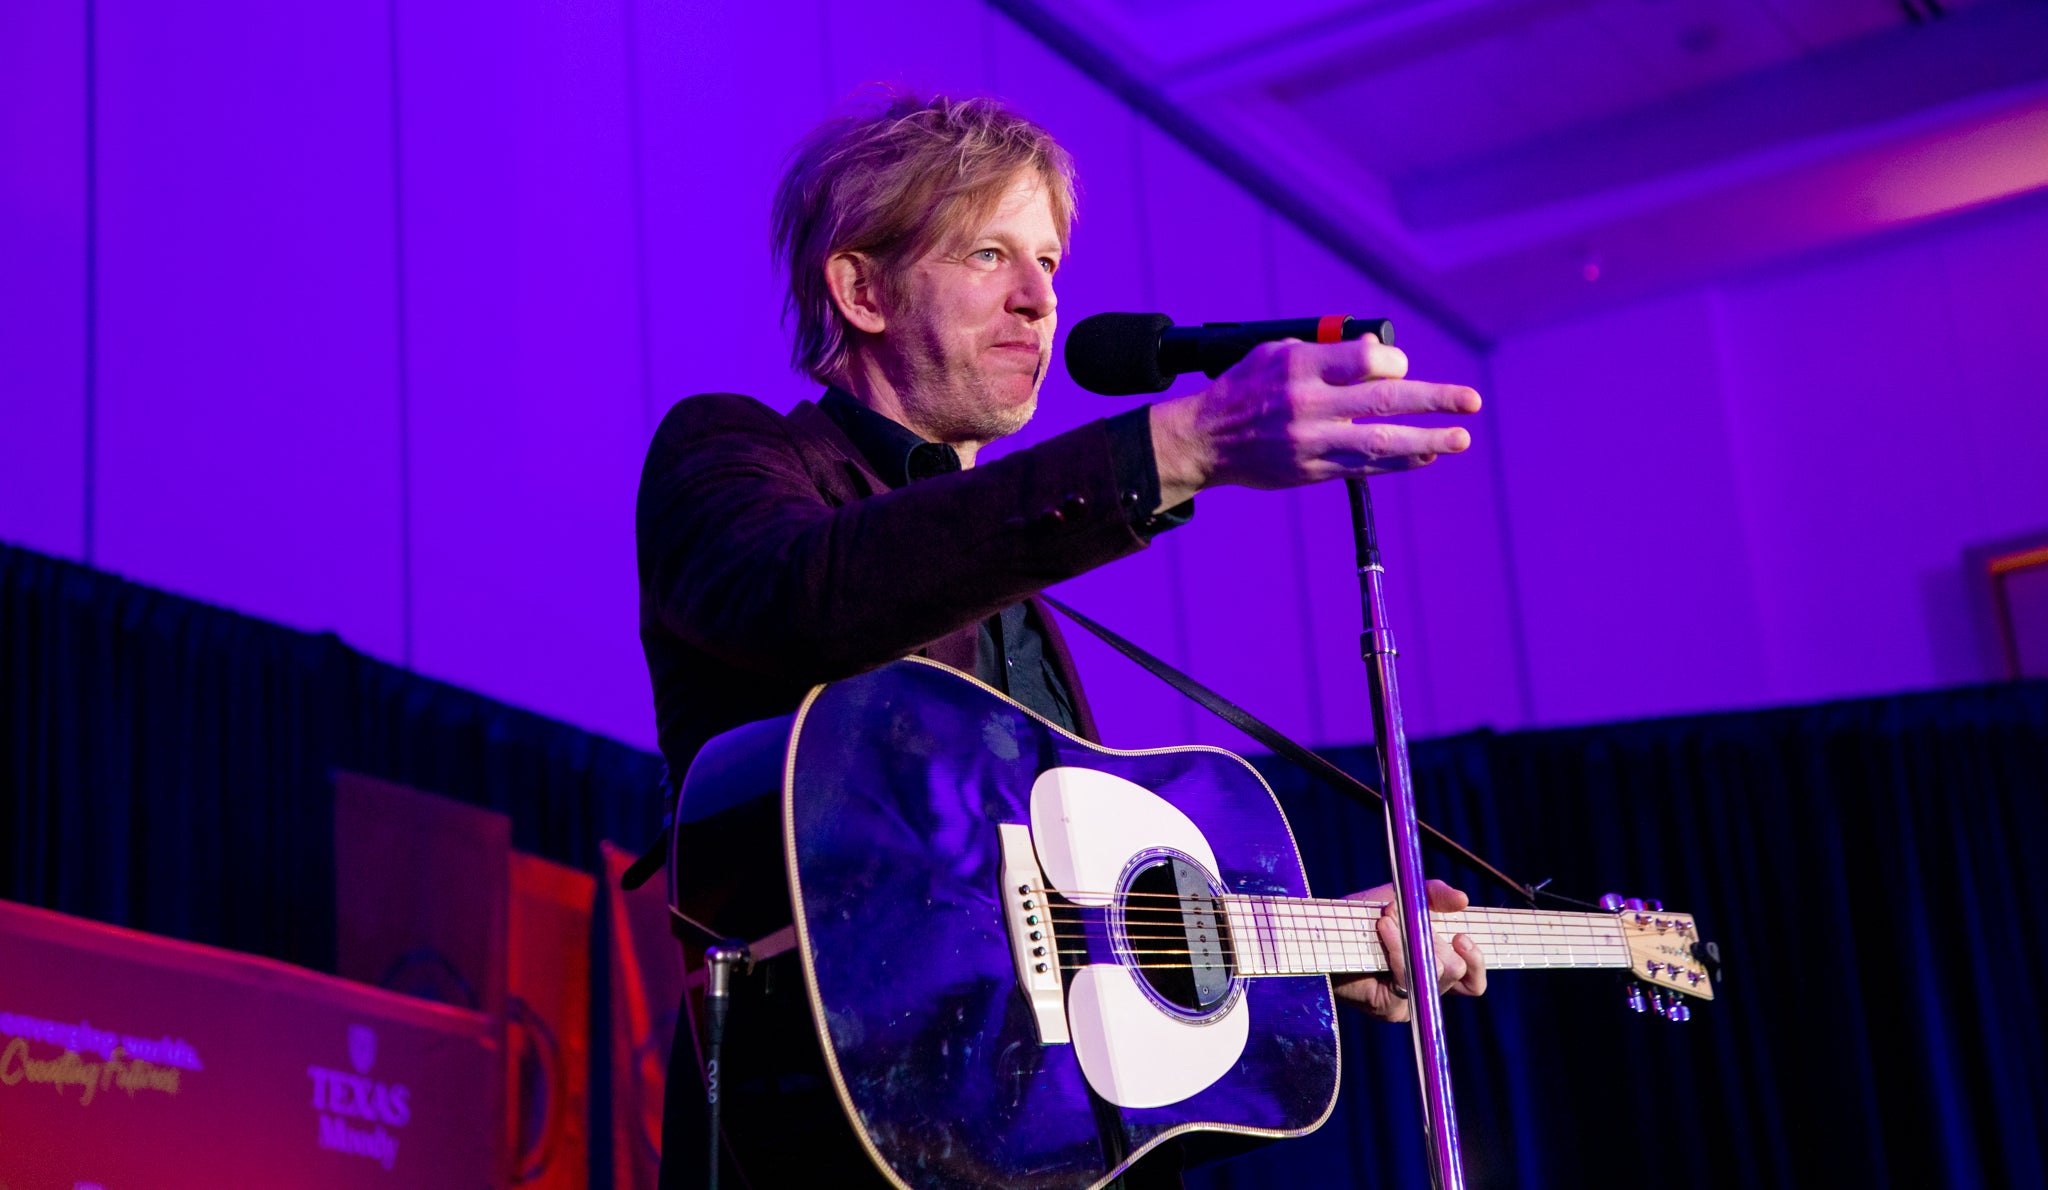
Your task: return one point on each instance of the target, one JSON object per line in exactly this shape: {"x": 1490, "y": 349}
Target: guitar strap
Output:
{"x": 1308, "y": 760}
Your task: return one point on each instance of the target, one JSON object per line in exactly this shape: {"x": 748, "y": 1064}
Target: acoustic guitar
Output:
{"x": 1032, "y": 959}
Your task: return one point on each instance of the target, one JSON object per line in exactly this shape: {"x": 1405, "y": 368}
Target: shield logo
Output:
{"x": 362, "y": 1047}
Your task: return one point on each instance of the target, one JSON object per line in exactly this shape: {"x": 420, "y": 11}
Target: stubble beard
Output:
{"x": 971, "y": 412}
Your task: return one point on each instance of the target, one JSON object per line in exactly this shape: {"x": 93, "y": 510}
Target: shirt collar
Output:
{"x": 892, "y": 450}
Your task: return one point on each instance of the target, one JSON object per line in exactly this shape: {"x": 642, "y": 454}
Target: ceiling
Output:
{"x": 1518, "y": 162}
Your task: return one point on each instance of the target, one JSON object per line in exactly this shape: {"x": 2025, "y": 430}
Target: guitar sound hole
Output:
{"x": 1177, "y": 937}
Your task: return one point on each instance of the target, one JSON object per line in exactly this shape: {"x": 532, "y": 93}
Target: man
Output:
{"x": 922, "y": 242}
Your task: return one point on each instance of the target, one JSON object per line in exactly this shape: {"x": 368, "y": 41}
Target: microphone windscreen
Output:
{"x": 1117, "y": 355}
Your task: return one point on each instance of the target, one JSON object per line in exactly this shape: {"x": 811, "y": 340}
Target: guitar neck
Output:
{"x": 1304, "y": 936}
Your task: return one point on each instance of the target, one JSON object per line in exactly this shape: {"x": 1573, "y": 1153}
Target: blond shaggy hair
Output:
{"x": 892, "y": 183}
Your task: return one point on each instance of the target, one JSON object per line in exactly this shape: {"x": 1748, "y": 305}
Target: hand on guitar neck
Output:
{"x": 1461, "y": 967}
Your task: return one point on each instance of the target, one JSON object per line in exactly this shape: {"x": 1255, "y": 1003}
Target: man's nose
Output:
{"x": 1033, "y": 296}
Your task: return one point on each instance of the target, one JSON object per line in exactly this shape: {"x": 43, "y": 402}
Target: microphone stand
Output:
{"x": 1404, "y": 845}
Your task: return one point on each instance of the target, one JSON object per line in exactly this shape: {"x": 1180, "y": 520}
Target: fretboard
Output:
{"x": 1305, "y": 936}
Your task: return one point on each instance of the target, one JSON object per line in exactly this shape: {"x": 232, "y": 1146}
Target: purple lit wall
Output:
{"x": 360, "y": 319}
{"x": 1761, "y": 492}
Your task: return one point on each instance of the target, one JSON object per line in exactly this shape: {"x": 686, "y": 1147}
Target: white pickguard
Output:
{"x": 1087, "y": 825}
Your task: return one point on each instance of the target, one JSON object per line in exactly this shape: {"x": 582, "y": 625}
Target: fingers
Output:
{"x": 1395, "y": 398}
{"x": 1473, "y": 982}
{"x": 1386, "y": 446}
{"x": 1461, "y": 965}
{"x": 1445, "y": 899}
{"x": 1355, "y": 360}
{"x": 1389, "y": 928}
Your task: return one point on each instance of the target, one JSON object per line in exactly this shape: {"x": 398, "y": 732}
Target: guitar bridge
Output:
{"x": 1033, "y": 943}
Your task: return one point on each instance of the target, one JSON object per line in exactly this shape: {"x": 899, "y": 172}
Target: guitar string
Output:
{"x": 1348, "y": 906}
{"x": 1317, "y": 935}
{"x": 1256, "y": 941}
{"x": 1292, "y": 935}
{"x": 1079, "y": 958}
{"x": 1358, "y": 965}
{"x": 1365, "y": 945}
{"x": 1363, "y": 960}
{"x": 1374, "y": 913}
{"x": 1504, "y": 948}
{"x": 1286, "y": 920}
{"x": 1302, "y": 927}
{"x": 1288, "y": 941}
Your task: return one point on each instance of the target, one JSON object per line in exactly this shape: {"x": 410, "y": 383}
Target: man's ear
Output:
{"x": 856, "y": 291}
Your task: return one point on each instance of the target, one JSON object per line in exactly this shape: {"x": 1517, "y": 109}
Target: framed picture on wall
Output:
{"x": 2010, "y": 581}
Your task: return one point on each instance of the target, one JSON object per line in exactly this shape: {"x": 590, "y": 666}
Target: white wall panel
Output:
{"x": 527, "y": 412}
{"x": 1309, "y": 281}
{"x": 714, "y": 136}
{"x": 42, "y": 276}
{"x": 1469, "y": 653}
{"x": 1237, "y": 563}
{"x": 1997, "y": 297}
{"x": 1104, "y": 271}
{"x": 1629, "y": 541}
{"x": 248, "y": 417}
{"x": 1762, "y": 493}
{"x": 1888, "y": 414}
{"x": 929, "y": 46}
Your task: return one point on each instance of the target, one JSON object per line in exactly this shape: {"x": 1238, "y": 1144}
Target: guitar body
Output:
{"x": 895, "y": 785}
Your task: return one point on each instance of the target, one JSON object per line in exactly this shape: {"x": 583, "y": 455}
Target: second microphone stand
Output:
{"x": 1404, "y": 843}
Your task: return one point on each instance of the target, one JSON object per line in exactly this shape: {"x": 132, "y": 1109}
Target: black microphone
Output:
{"x": 1122, "y": 355}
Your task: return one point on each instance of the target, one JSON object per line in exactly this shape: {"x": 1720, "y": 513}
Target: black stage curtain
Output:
{"x": 1870, "y": 871}
{"x": 167, "y": 765}
{"x": 1864, "y": 866}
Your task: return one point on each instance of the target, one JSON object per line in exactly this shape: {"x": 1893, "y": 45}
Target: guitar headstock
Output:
{"x": 1668, "y": 962}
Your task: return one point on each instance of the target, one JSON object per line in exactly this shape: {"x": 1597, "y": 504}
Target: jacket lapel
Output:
{"x": 834, "y": 461}
{"x": 843, "y": 474}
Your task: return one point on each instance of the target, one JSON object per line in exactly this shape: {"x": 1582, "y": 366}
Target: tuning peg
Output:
{"x": 1654, "y": 905}
{"x": 1709, "y": 955}
{"x": 1678, "y": 1012}
{"x": 1635, "y": 998}
{"x": 1632, "y": 904}
{"x": 1657, "y": 1001}
{"x": 1611, "y": 902}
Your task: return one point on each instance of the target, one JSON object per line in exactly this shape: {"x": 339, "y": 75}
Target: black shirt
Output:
{"x": 1010, "y": 653}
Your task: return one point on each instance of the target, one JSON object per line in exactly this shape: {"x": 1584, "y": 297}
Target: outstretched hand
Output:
{"x": 1461, "y": 968}
{"x": 1289, "y": 413}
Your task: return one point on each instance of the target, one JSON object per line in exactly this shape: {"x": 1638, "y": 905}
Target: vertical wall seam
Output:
{"x": 1297, "y": 523}
{"x": 828, "y": 95}
{"x": 1176, "y": 581}
{"x": 1147, "y": 101}
{"x": 1715, "y": 298}
{"x": 401, "y": 344}
{"x": 636, "y": 180}
{"x": 90, "y": 379}
{"x": 1511, "y": 576}
{"x": 991, "y": 66}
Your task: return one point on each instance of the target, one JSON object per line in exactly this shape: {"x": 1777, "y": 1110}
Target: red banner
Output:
{"x": 421, "y": 893}
{"x": 132, "y": 1062}
{"x": 646, "y": 991}
{"x": 547, "y": 1024}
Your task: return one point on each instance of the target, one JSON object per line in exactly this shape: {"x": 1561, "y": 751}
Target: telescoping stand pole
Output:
{"x": 1404, "y": 843}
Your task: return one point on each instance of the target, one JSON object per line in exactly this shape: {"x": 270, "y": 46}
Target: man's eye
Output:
{"x": 987, "y": 254}
{"x": 1050, "y": 265}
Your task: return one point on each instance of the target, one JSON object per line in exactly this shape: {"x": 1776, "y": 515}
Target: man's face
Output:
{"x": 969, "y": 334}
